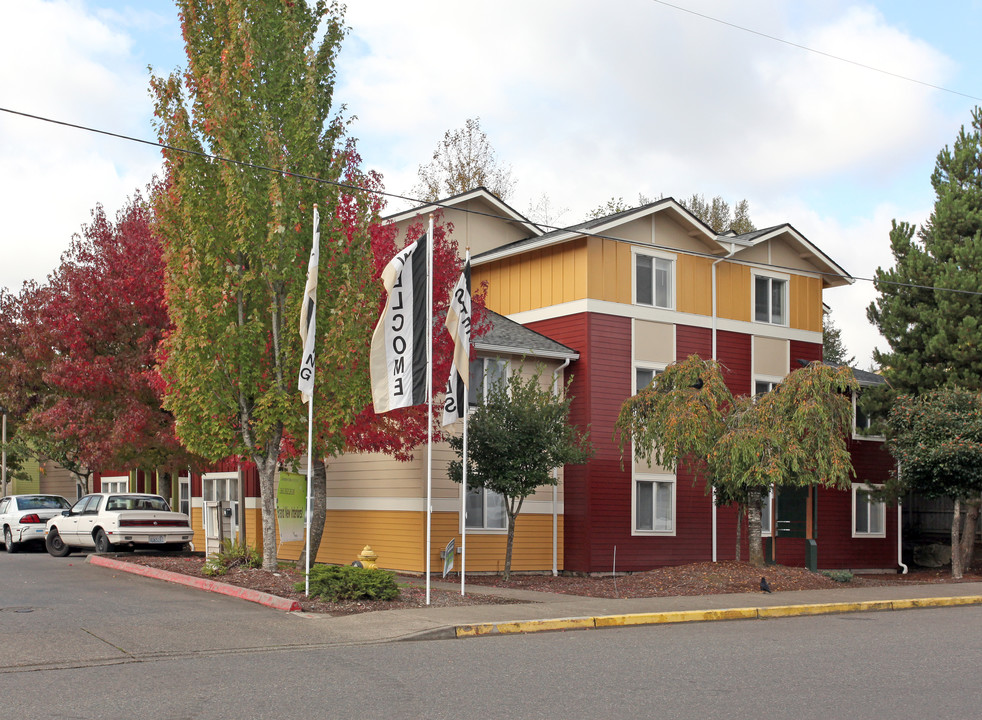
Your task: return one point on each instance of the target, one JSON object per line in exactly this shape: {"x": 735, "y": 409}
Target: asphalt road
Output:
{"x": 99, "y": 645}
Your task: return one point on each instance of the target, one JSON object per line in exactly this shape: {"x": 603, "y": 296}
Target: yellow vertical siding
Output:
{"x": 733, "y": 291}
{"x": 693, "y": 279}
{"x": 805, "y": 303}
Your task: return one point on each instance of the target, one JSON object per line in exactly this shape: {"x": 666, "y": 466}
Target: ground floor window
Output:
{"x": 654, "y": 504}
{"x": 868, "y": 514}
{"x": 184, "y": 495}
{"x": 485, "y": 510}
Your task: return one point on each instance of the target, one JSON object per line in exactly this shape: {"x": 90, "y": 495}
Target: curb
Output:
{"x": 681, "y": 616}
{"x": 255, "y": 596}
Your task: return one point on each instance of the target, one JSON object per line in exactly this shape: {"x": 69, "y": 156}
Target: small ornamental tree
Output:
{"x": 937, "y": 440}
{"x": 794, "y": 435}
{"x": 515, "y": 441}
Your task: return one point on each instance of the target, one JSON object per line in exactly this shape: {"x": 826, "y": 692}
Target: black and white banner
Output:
{"x": 459, "y": 325}
{"x": 308, "y": 312}
{"x": 398, "y": 360}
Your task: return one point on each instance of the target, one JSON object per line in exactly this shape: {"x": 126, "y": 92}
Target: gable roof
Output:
{"x": 601, "y": 226}
{"x": 500, "y": 209}
{"x": 833, "y": 275}
{"x": 508, "y": 336}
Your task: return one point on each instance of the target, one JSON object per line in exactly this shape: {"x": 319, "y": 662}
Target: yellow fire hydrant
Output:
{"x": 368, "y": 557}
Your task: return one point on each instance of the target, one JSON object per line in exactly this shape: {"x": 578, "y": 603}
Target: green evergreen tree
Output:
{"x": 833, "y": 349}
{"x": 929, "y": 307}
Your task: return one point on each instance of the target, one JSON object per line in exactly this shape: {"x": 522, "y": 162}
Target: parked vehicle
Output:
{"x": 23, "y": 517}
{"x": 118, "y": 521}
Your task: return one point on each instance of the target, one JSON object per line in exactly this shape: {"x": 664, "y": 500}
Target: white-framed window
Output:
{"x": 645, "y": 374}
{"x": 184, "y": 495}
{"x": 485, "y": 510}
{"x": 485, "y": 373}
{"x": 868, "y": 515}
{"x": 770, "y": 298}
{"x": 866, "y": 425}
{"x": 654, "y": 504}
{"x": 116, "y": 484}
{"x": 763, "y": 384}
{"x": 766, "y": 503}
{"x": 654, "y": 280}
{"x": 220, "y": 487}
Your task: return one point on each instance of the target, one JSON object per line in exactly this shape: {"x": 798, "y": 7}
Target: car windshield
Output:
{"x": 136, "y": 502}
{"x": 43, "y": 502}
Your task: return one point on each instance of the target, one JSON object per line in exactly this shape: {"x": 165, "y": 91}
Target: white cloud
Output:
{"x": 63, "y": 62}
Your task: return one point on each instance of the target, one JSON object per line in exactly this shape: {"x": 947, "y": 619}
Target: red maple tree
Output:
{"x": 79, "y": 351}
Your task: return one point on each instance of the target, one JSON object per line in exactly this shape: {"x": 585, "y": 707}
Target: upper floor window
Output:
{"x": 654, "y": 280}
{"x": 868, "y": 422}
{"x": 770, "y": 299}
{"x": 485, "y": 373}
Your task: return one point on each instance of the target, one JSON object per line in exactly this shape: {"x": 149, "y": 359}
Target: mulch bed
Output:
{"x": 692, "y": 579}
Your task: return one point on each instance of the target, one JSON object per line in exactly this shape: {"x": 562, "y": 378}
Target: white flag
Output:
{"x": 398, "y": 360}
{"x": 459, "y": 325}
{"x": 308, "y": 313}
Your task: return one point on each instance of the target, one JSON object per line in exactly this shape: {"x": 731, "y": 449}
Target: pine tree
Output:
{"x": 929, "y": 307}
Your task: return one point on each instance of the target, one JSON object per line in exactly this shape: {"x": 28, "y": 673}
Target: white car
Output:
{"x": 22, "y": 518}
{"x": 118, "y": 521}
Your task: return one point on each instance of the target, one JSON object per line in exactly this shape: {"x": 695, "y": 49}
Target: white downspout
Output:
{"x": 900, "y": 544}
{"x": 555, "y": 488}
{"x": 715, "y": 263}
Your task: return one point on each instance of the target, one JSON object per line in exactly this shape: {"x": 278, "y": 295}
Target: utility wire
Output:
{"x": 816, "y": 52}
{"x": 426, "y": 203}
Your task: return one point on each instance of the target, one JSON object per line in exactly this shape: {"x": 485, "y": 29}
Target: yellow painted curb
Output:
{"x": 681, "y": 616}
{"x": 524, "y": 626}
{"x": 676, "y": 617}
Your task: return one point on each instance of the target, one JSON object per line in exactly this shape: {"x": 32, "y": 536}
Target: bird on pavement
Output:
{"x": 764, "y": 585}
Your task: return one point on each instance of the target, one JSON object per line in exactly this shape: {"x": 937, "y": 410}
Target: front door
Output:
{"x": 220, "y": 493}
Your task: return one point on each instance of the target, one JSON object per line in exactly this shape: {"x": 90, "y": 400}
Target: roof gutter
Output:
{"x": 715, "y": 263}
{"x": 555, "y": 487}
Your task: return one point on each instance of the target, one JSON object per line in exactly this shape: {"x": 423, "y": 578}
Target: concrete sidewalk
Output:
{"x": 540, "y": 611}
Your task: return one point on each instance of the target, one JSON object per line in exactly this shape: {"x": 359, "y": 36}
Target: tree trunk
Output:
{"x": 318, "y": 504}
{"x": 956, "y": 555}
{"x": 741, "y": 510}
{"x": 753, "y": 529}
{"x": 266, "y": 465}
{"x": 512, "y": 508}
{"x": 508, "y": 546}
{"x": 968, "y": 533}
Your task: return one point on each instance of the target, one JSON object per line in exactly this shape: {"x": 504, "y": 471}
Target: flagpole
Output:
{"x": 463, "y": 503}
{"x": 310, "y": 475}
{"x": 429, "y": 402}
{"x": 310, "y": 430}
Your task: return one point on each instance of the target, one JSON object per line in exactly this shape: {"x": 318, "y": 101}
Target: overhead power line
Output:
{"x": 839, "y": 58}
{"x": 417, "y": 201}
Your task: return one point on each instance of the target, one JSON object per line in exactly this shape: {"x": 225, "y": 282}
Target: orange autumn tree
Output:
{"x": 793, "y": 436}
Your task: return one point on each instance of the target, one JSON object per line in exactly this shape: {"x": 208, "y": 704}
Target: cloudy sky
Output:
{"x": 585, "y": 101}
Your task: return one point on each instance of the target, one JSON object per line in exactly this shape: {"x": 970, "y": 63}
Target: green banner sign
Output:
{"x": 291, "y": 506}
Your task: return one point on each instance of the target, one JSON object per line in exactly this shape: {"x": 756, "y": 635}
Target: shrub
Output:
{"x": 337, "y": 583}
{"x": 230, "y": 556}
{"x": 842, "y": 576}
